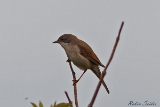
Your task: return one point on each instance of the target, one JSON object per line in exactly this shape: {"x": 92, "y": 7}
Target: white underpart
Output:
{"x": 73, "y": 54}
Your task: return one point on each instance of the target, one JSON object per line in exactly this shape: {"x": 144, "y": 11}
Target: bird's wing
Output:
{"x": 87, "y": 52}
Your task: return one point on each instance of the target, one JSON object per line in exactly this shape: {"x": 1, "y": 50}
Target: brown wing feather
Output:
{"x": 87, "y": 52}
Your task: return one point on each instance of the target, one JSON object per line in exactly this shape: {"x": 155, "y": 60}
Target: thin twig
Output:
{"x": 69, "y": 100}
{"x": 114, "y": 48}
{"x": 75, "y": 86}
{"x": 104, "y": 72}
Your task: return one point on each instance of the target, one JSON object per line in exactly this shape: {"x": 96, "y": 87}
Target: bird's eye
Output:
{"x": 62, "y": 39}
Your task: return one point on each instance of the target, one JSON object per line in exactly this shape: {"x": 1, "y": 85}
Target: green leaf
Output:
{"x": 34, "y": 105}
{"x": 40, "y": 104}
{"x": 63, "y": 105}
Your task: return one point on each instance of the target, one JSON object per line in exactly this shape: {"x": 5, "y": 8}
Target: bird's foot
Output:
{"x": 68, "y": 60}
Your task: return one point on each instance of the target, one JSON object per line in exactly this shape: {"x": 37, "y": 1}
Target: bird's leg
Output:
{"x": 75, "y": 81}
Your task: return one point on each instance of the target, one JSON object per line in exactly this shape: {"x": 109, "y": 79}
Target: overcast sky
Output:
{"x": 34, "y": 68}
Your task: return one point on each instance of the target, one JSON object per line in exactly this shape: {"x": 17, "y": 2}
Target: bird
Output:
{"x": 81, "y": 54}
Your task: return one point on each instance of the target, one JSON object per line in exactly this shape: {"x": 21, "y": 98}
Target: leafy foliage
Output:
{"x": 55, "y": 105}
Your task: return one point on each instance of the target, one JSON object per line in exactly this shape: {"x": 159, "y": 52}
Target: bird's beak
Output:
{"x": 56, "y": 42}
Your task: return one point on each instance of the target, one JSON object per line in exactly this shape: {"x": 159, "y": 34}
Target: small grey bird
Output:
{"x": 81, "y": 54}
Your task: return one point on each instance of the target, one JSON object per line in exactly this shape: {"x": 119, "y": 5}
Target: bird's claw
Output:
{"x": 68, "y": 60}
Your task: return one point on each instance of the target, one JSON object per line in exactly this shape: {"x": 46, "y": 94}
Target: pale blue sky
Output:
{"x": 31, "y": 66}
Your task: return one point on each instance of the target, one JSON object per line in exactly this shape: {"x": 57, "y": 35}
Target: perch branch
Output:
{"x": 75, "y": 86}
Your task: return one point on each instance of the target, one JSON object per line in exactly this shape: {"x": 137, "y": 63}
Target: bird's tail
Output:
{"x": 98, "y": 74}
{"x": 105, "y": 86}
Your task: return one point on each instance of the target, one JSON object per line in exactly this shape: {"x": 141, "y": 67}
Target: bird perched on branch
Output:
{"x": 81, "y": 54}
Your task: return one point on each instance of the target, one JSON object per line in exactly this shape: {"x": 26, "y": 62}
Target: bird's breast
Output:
{"x": 73, "y": 54}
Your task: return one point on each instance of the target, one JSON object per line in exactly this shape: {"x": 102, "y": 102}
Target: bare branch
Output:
{"x": 75, "y": 86}
{"x": 104, "y": 72}
{"x": 114, "y": 48}
{"x": 69, "y": 100}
